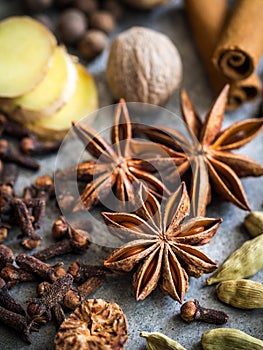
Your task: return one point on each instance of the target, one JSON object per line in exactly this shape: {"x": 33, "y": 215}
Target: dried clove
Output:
{"x": 8, "y": 179}
{"x": 82, "y": 272}
{"x": 44, "y": 187}
{"x": 10, "y": 154}
{"x": 9, "y": 174}
{"x": 61, "y": 228}
{"x": 31, "y": 146}
{"x": 13, "y": 129}
{"x": 4, "y": 229}
{"x": 30, "y": 238}
{"x": 18, "y": 322}
{"x": 40, "y": 308}
{"x": 38, "y": 207}
{"x": 6, "y": 256}
{"x": 7, "y": 301}
{"x": 15, "y": 275}
{"x": 191, "y": 311}
{"x": 39, "y": 268}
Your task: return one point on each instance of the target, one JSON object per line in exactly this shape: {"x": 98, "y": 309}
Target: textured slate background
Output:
{"x": 157, "y": 312}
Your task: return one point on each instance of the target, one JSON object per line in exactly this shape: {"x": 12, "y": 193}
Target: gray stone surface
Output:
{"x": 157, "y": 312}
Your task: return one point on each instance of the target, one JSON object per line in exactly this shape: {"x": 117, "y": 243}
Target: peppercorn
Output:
{"x": 37, "y": 5}
{"x": 92, "y": 44}
{"x": 46, "y": 21}
{"x": 86, "y": 6}
{"x": 71, "y": 26}
{"x": 102, "y": 20}
{"x": 115, "y": 8}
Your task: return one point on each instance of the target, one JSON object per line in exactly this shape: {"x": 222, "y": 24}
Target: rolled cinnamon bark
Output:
{"x": 240, "y": 46}
{"x": 207, "y": 19}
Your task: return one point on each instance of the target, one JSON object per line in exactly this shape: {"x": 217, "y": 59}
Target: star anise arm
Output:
{"x": 155, "y": 185}
{"x": 126, "y": 257}
{"x": 168, "y": 137}
{"x": 93, "y": 142}
{"x": 190, "y": 115}
{"x": 146, "y": 278}
{"x": 121, "y": 132}
{"x": 214, "y": 119}
{"x": 98, "y": 189}
{"x": 81, "y": 172}
{"x": 174, "y": 281}
{"x": 227, "y": 183}
{"x": 194, "y": 261}
{"x": 176, "y": 209}
{"x": 196, "y": 231}
{"x": 243, "y": 166}
{"x": 200, "y": 187}
{"x": 128, "y": 226}
{"x": 238, "y": 134}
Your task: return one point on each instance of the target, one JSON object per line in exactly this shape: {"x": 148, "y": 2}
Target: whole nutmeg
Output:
{"x": 146, "y": 4}
{"x": 86, "y": 6}
{"x": 71, "y": 25}
{"x": 92, "y": 44}
{"x": 102, "y": 20}
{"x": 143, "y": 66}
{"x": 37, "y": 5}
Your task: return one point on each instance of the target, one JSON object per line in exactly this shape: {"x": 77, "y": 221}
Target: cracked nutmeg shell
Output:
{"x": 143, "y": 66}
{"x": 95, "y": 324}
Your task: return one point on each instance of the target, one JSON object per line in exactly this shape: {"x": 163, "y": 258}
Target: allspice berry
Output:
{"x": 115, "y": 7}
{"x": 143, "y": 66}
{"x": 92, "y": 44}
{"x": 86, "y": 6}
{"x": 146, "y": 4}
{"x": 102, "y": 20}
{"x": 71, "y": 26}
{"x": 37, "y": 5}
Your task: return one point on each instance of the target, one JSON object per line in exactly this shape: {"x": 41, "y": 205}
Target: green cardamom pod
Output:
{"x": 229, "y": 339}
{"x": 243, "y": 294}
{"x": 159, "y": 341}
{"x": 242, "y": 263}
{"x": 254, "y": 223}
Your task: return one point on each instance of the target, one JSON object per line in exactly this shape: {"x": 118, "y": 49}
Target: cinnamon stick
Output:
{"x": 240, "y": 46}
{"x": 207, "y": 19}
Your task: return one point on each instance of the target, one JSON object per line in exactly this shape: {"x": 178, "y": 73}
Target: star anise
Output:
{"x": 208, "y": 158}
{"x": 160, "y": 245}
{"x": 119, "y": 167}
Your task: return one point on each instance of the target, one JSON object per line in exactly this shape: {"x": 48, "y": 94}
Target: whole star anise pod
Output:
{"x": 119, "y": 167}
{"x": 160, "y": 245}
{"x": 208, "y": 158}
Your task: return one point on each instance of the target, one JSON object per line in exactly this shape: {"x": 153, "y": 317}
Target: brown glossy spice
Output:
{"x": 208, "y": 158}
{"x": 71, "y": 25}
{"x": 192, "y": 311}
{"x": 40, "y": 308}
{"x": 92, "y": 43}
{"x": 31, "y": 146}
{"x": 15, "y": 275}
{"x": 96, "y": 324}
{"x": 160, "y": 245}
{"x": 102, "y": 20}
{"x": 10, "y": 154}
{"x": 39, "y": 268}
{"x": 119, "y": 169}
{"x": 7, "y": 301}
{"x": 6, "y": 256}
{"x": 18, "y": 322}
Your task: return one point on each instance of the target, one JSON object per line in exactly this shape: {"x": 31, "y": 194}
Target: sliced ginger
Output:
{"x": 51, "y": 94}
{"x": 26, "y": 51}
{"x": 83, "y": 102}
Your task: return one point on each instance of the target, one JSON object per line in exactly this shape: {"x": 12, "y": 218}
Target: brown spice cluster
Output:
{"x": 83, "y": 24}
{"x": 95, "y": 324}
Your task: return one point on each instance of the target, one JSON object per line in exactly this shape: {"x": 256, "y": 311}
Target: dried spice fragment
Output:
{"x": 95, "y": 324}
{"x": 40, "y": 308}
{"x": 160, "y": 245}
{"x": 118, "y": 168}
{"x": 208, "y": 158}
{"x": 6, "y": 256}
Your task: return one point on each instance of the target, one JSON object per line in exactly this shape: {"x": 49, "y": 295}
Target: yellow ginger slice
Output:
{"x": 26, "y": 48}
{"x": 51, "y": 94}
{"x": 83, "y": 102}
